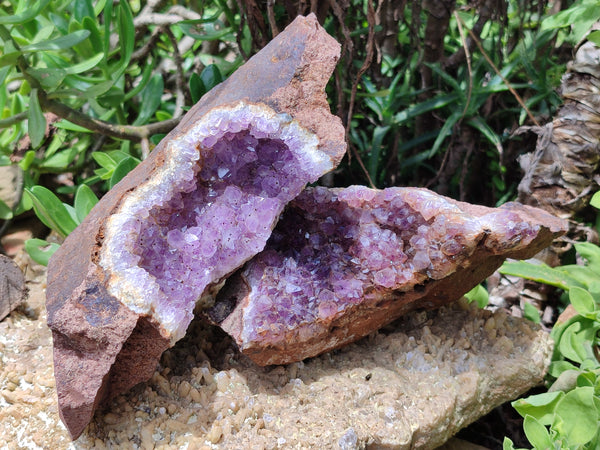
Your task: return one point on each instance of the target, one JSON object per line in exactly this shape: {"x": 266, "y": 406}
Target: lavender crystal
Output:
{"x": 336, "y": 248}
{"x": 210, "y": 209}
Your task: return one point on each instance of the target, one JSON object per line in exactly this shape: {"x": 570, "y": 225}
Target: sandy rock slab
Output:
{"x": 413, "y": 384}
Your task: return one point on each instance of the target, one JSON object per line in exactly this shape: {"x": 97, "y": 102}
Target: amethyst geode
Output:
{"x": 123, "y": 286}
{"x": 343, "y": 262}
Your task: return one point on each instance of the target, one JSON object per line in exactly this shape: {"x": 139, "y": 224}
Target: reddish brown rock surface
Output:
{"x": 341, "y": 263}
{"x": 111, "y": 307}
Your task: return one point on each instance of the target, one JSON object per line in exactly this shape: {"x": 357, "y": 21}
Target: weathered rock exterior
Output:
{"x": 341, "y": 263}
{"x": 410, "y": 385}
{"x": 13, "y": 290}
{"x": 123, "y": 286}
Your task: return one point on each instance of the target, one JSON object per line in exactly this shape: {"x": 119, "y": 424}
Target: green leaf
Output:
{"x": 197, "y": 89}
{"x": 50, "y": 210}
{"x": 479, "y": 124}
{"x": 60, "y": 160}
{"x": 581, "y": 300}
{"x": 540, "y": 273}
{"x": 124, "y": 167}
{"x": 211, "y": 76}
{"x": 206, "y": 33}
{"x": 591, "y": 253}
{"x": 95, "y": 38}
{"x": 379, "y": 134}
{"x": 445, "y": 131}
{"x": 507, "y": 444}
{"x": 83, "y": 9}
{"x": 150, "y": 101}
{"x": 557, "y": 368}
{"x": 423, "y": 107}
{"x": 85, "y": 199}
{"x": 531, "y": 312}
{"x": 49, "y": 78}
{"x": 143, "y": 82}
{"x": 27, "y": 160}
{"x": 66, "y": 125}
{"x": 104, "y": 160}
{"x": 25, "y": 16}
{"x": 576, "y": 416}
{"x": 36, "y": 124}
{"x": 576, "y": 339}
{"x": 478, "y": 295}
{"x": 59, "y": 43}
{"x": 39, "y": 250}
{"x": 5, "y": 211}
{"x": 595, "y": 200}
{"x": 9, "y": 58}
{"x": 126, "y": 36}
{"x": 540, "y": 406}
{"x": 85, "y": 66}
{"x": 536, "y": 433}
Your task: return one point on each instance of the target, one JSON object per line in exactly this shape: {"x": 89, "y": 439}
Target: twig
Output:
{"x": 145, "y": 144}
{"x": 179, "y": 79}
{"x": 238, "y": 35}
{"x": 128, "y": 132}
{"x": 144, "y": 51}
{"x": 504, "y": 80}
{"x": 271, "y": 17}
{"x": 339, "y": 14}
{"x": 361, "y": 71}
{"x": 463, "y": 41}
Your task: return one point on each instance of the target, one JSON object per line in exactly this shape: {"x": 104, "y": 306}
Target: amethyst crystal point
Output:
{"x": 343, "y": 262}
{"x": 123, "y": 286}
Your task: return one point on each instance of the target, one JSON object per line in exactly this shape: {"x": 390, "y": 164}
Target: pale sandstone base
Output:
{"x": 412, "y": 385}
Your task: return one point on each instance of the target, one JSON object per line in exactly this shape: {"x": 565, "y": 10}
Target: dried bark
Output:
{"x": 562, "y": 173}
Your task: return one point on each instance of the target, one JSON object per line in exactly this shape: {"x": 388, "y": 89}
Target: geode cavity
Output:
{"x": 123, "y": 286}
{"x": 341, "y": 263}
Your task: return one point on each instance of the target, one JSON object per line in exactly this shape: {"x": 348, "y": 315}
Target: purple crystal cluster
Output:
{"x": 335, "y": 248}
{"x": 228, "y": 181}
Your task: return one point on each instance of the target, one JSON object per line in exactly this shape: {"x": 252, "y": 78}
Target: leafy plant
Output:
{"x": 58, "y": 216}
{"x": 386, "y": 130}
{"x": 567, "y": 416}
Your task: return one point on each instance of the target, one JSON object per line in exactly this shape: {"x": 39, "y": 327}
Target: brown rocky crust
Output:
{"x": 102, "y": 348}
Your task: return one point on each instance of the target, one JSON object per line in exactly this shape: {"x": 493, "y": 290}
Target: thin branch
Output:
{"x": 463, "y": 40}
{"x": 179, "y": 80}
{"x": 504, "y": 80}
{"x": 271, "y": 17}
{"x": 128, "y": 132}
{"x": 238, "y": 34}
{"x": 144, "y": 51}
{"x": 145, "y": 143}
{"x": 361, "y": 71}
{"x": 12, "y": 120}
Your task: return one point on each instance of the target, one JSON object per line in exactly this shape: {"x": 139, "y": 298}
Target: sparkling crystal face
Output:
{"x": 210, "y": 210}
{"x": 333, "y": 249}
